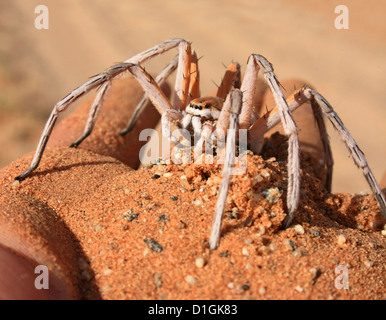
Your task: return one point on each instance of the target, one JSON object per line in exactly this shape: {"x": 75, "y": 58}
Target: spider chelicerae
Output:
{"x": 208, "y": 117}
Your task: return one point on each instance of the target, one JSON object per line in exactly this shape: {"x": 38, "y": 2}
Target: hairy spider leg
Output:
{"x": 320, "y": 104}
{"x": 234, "y": 100}
{"x": 93, "y": 83}
{"x": 255, "y": 63}
{"x": 160, "y": 80}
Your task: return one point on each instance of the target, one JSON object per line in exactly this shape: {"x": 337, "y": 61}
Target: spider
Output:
{"x": 231, "y": 108}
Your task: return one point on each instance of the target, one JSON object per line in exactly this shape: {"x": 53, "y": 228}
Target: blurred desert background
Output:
{"x": 39, "y": 67}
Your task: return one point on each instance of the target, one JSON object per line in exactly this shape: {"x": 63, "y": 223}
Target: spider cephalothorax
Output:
{"x": 231, "y": 108}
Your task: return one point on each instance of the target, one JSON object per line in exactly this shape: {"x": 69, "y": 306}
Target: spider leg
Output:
{"x": 93, "y": 83}
{"x": 328, "y": 159}
{"x": 181, "y": 88}
{"x": 194, "y": 83}
{"x": 222, "y": 126}
{"x": 248, "y": 88}
{"x": 156, "y": 50}
{"x": 235, "y": 97}
{"x": 63, "y": 104}
{"x": 158, "y": 98}
{"x": 272, "y": 118}
{"x": 290, "y": 131}
{"x": 197, "y": 125}
{"x": 320, "y": 104}
{"x": 186, "y": 120}
{"x": 160, "y": 79}
{"x": 94, "y": 111}
{"x": 205, "y": 138}
{"x": 231, "y": 80}
{"x": 359, "y": 158}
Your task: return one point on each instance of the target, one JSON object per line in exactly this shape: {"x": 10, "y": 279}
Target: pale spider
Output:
{"x": 231, "y": 108}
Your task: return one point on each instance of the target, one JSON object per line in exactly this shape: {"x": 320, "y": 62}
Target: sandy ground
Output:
{"x": 38, "y": 67}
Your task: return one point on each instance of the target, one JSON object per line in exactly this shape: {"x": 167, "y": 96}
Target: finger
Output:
{"x": 28, "y": 269}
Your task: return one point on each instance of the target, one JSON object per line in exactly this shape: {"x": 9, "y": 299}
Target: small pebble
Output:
{"x": 316, "y": 233}
{"x": 157, "y": 280}
{"x": 181, "y": 225}
{"x": 290, "y": 244}
{"x": 184, "y": 182}
{"x": 261, "y": 231}
{"x": 245, "y": 287}
{"x": 197, "y": 202}
{"x": 265, "y": 173}
{"x": 341, "y": 239}
{"x": 316, "y": 273}
{"x": 272, "y": 195}
{"x": 248, "y": 241}
{"x": 224, "y": 254}
{"x": 191, "y": 280}
{"x": 174, "y": 198}
{"x": 200, "y": 262}
{"x": 205, "y": 197}
{"x": 256, "y": 179}
{"x": 155, "y": 176}
{"x": 245, "y": 252}
{"x": 163, "y": 218}
{"x": 299, "y": 229}
{"x": 167, "y": 174}
{"x": 107, "y": 271}
{"x": 130, "y": 216}
{"x": 153, "y": 245}
{"x": 299, "y": 289}
{"x": 298, "y": 253}
{"x": 234, "y": 214}
{"x": 368, "y": 263}
{"x": 262, "y": 290}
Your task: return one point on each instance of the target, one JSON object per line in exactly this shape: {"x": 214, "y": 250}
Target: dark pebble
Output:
{"x": 156, "y": 176}
{"x": 153, "y": 245}
{"x": 131, "y": 217}
{"x": 292, "y": 244}
{"x": 223, "y": 254}
{"x": 316, "y": 233}
{"x": 163, "y": 218}
{"x": 245, "y": 287}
